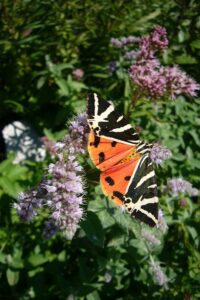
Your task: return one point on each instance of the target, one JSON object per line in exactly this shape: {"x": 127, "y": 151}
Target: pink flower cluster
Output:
{"x": 156, "y": 80}
{"x": 78, "y": 74}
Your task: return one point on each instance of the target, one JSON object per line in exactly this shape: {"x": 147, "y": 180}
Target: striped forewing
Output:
{"x": 107, "y": 122}
{"x": 141, "y": 199}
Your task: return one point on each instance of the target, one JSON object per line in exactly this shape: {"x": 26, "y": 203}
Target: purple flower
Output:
{"x": 146, "y": 51}
{"x": 65, "y": 194}
{"x": 112, "y": 67}
{"x": 49, "y": 145}
{"x": 27, "y": 204}
{"x": 116, "y": 43}
{"x": 124, "y": 41}
{"x": 76, "y": 141}
{"x": 148, "y": 77}
{"x": 159, "y": 153}
{"x": 158, "y": 275}
{"x": 178, "y": 82}
{"x": 158, "y": 38}
{"x": 50, "y": 229}
{"x": 150, "y": 238}
{"x": 62, "y": 188}
{"x": 179, "y": 185}
{"x": 131, "y": 55}
{"x": 78, "y": 74}
{"x": 162, "y": 225}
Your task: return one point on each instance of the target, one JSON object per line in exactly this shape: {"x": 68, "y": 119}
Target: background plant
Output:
{"x": 42, "y": 43}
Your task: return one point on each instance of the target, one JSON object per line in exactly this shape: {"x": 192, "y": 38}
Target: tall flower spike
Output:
{"x": 158, "y": 275}
{"x": 162, "y": 225}
{"x": 65, "y": 194}
{"x": 62, "y": 189}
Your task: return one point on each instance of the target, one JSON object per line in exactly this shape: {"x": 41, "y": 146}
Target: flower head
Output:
{"x": 158, "y": 38}
{"x": 178, "y": 82}
{"x": 76, "y": 141}
{"x": 179, "y": 185}
{"x": 78, "y": 74}
{"x": 158, "y": 275}
{"x": 124, "y": 41}
{"x": 149, "y": 75}
{"x": 50, "y": 146}
{"x": 150, "y": 238}
{"x": 159, "y": 153}
{"x": 162, "y": 225}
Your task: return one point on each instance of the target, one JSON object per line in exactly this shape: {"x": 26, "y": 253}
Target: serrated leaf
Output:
{"x": 93, "y": 229}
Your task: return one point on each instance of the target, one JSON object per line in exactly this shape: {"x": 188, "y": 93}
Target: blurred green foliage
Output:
{"x": 41, "y": 43}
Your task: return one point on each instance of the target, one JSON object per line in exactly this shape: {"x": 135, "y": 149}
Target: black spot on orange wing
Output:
{"x": 127, "y": 178}
{"x": 101, "y": 157}
{"x": 109, "y": 180}
{"x": 96, "y": 141}
{"x": 119, "y": 195}
{"x": 114, "y": 143}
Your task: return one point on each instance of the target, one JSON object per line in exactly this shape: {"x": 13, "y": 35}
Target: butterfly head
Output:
{"x": 94, "y": 125}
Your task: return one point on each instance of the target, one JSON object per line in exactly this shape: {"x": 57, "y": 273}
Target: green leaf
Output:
{"x": 186, "y": 60}
{"x": 64, "y": 89}
{"x": 37, "y": 259}
{"x": 93, "y": 296}
{"x": 41, "y": 81}
{"x": 93, "y": 229}
{"x": 195, "y": 137}
{"x": 12, "y": 277}
{"x": 195, "y": 44}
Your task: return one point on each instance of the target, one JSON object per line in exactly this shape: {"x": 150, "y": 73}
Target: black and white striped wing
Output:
{"x": 141, "y": 199}
{"x": 105, "y": 121}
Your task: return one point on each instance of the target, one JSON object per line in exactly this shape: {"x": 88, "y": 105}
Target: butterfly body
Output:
{"x": 127, "y": 175}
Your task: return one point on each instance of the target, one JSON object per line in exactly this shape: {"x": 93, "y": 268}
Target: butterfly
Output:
{"x": 127, "y": 175}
